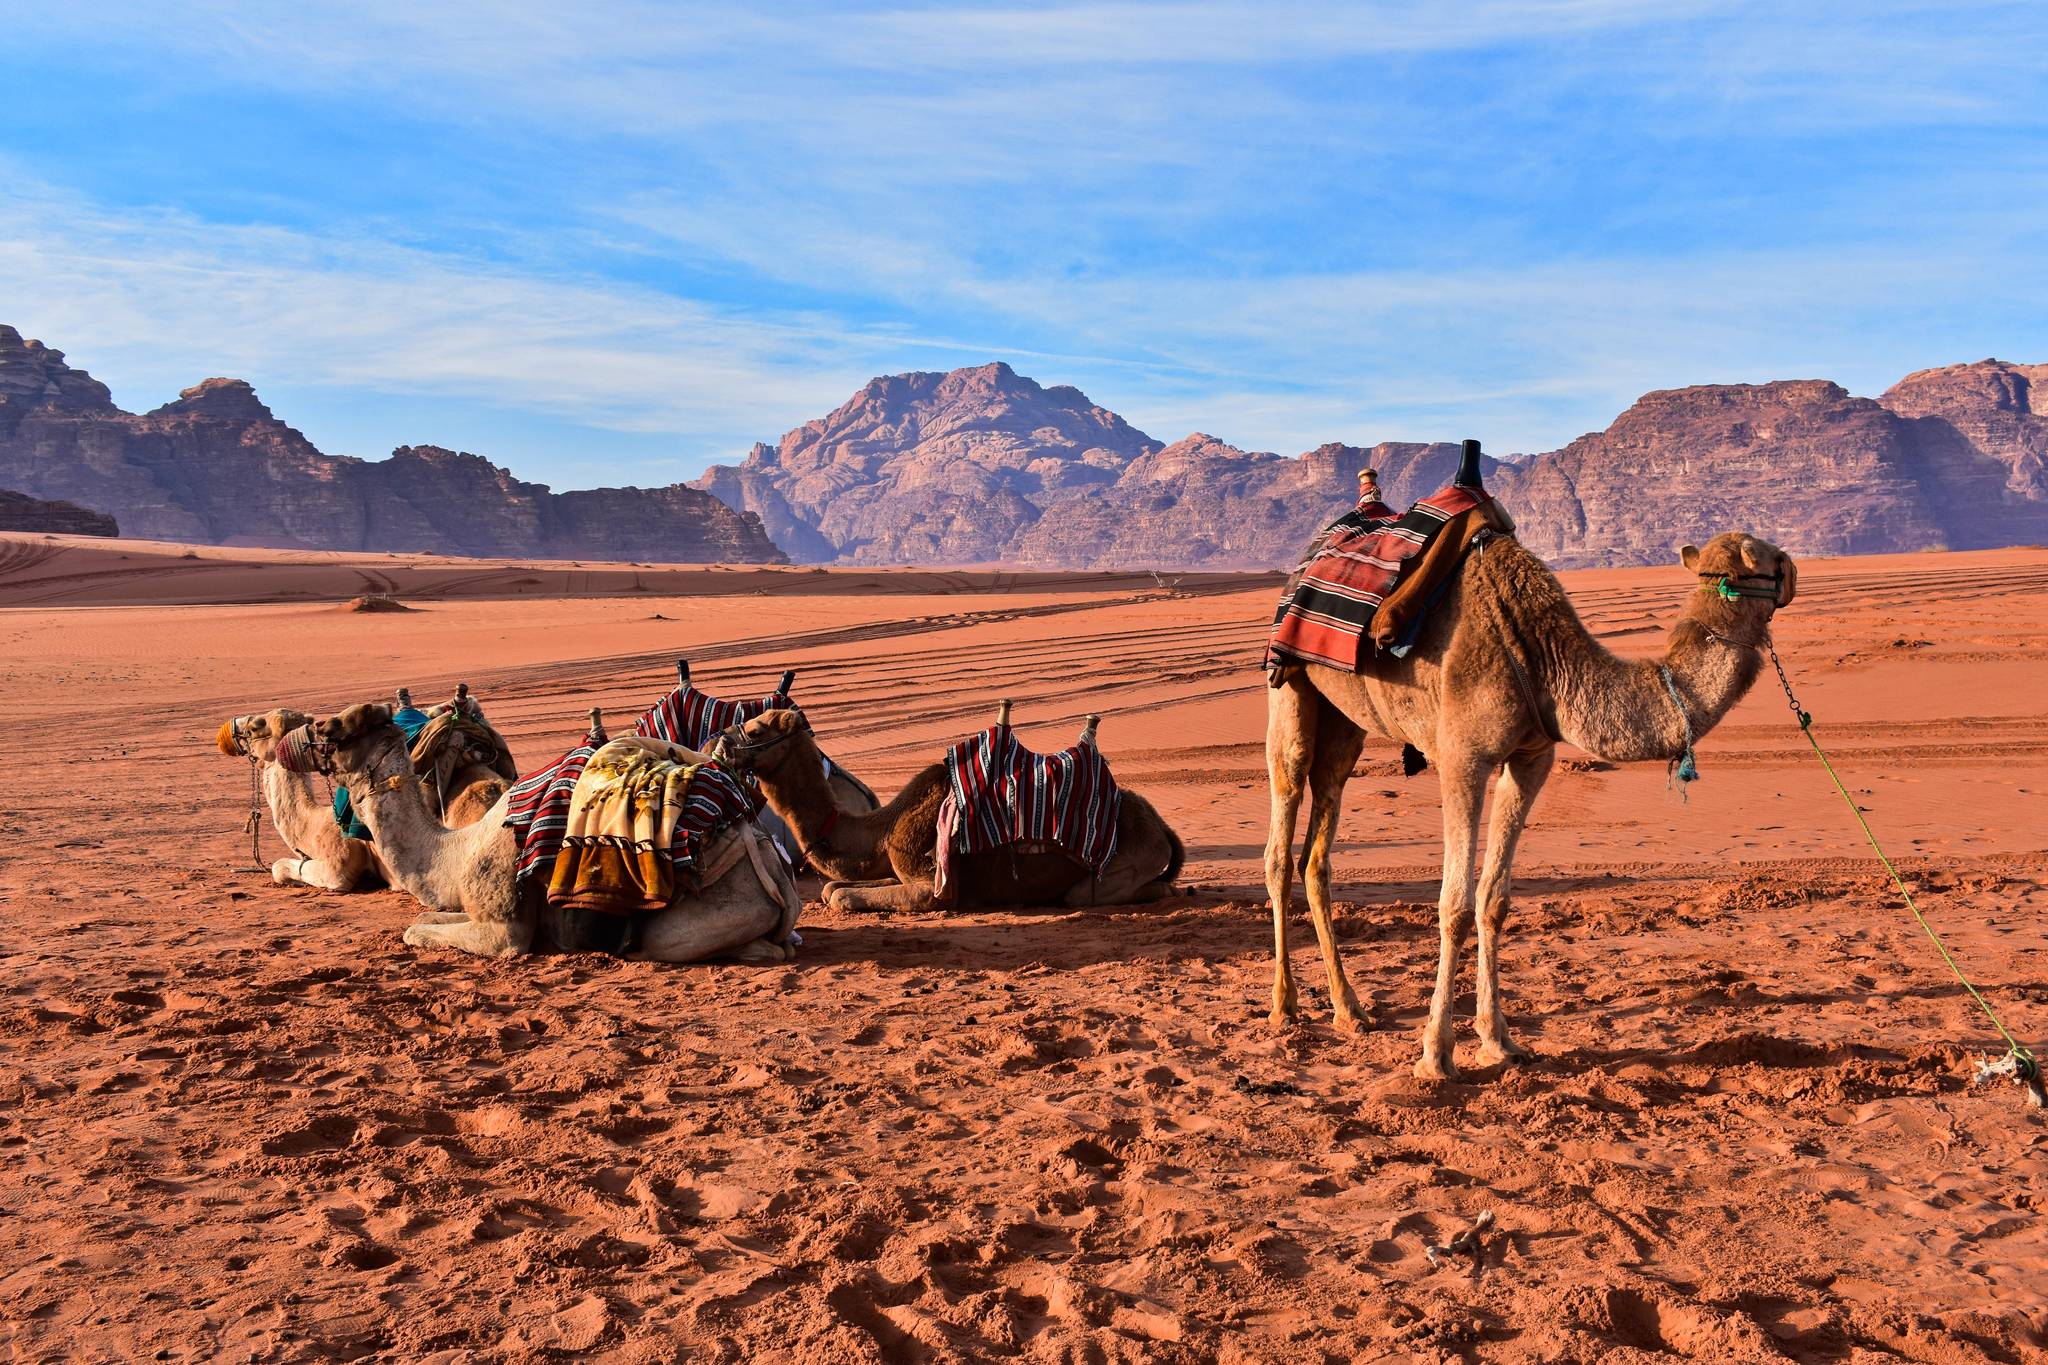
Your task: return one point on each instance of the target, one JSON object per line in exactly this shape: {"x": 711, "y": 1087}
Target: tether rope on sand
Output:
{"x": 2018, "y": 1062}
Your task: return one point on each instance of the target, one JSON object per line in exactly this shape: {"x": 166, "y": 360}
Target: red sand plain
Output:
{"x": 245, "y": 1122}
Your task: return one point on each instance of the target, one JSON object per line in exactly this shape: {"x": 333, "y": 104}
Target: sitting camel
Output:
{"x": 304, "y": 818}
{"x": 1502, "y": 671}
{"x": 886, "y": 859}
{"x": 467, "y": 878}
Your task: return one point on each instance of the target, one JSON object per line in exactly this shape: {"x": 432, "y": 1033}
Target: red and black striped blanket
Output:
{"x": 538, "y": 806}
{"x": 693, "y": 719}
{"x": 1000, "y": 793}
{"x": 1353, "y": 566}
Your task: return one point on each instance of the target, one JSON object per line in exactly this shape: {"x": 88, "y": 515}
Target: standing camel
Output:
{"x": 467, "y": 879}
{"x": 885, "y": 859}
{"x": 1502, "y": 671}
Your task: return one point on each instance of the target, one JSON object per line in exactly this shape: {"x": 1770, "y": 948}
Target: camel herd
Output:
{"x": 1503, "y": 671}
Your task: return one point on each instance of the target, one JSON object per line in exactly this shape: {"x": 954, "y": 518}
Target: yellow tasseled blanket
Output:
{"x": 622, "y": 815}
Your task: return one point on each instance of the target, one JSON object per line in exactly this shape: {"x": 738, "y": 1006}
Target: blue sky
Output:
{"x": 611, "y": 243}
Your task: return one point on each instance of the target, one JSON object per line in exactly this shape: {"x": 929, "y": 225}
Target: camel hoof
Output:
{"x": 1430, "y": 1069}
{"x": 1348, "y": 1022}
{"x": 1495, "y": 1054}
{"x": 415, "y": 936}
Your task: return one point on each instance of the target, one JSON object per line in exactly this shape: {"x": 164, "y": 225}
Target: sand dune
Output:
{"x": 247, "y": 1122}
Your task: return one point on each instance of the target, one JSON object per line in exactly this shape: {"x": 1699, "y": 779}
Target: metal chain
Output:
{"x": 1804, "y": 716}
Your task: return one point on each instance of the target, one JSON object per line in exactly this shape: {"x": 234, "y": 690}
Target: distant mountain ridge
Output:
{"x": 984, "y": 465}
{"x": 215, "y": 466}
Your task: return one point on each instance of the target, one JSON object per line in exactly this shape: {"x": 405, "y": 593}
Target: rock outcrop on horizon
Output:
{"x": 215, "y": 466}
{"x": 20, "y": 512}
{"x": 984, "y": 465}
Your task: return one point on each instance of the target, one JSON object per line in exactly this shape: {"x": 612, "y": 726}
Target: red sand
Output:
{"x": 246, "y": 1122}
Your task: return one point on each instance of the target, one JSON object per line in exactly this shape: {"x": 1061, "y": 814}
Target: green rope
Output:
{"x": 2025, "y": 1069}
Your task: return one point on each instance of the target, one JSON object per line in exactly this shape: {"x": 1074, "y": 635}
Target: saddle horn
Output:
{"x": 1003, "y": 712}
{"x": 405, "y": 698}
{"x": 597, "y": 724}
{"x": 682, "y": 672}
{"x": 1468, "y": 466}
{"x": 1088, "y": 731}
{"x": 788, "y": 681}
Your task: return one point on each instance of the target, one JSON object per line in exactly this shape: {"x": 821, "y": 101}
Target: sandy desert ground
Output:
{"x": 244, "y": 1122}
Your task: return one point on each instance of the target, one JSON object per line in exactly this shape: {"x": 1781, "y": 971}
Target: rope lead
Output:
{"x": 2018, "y": 1062}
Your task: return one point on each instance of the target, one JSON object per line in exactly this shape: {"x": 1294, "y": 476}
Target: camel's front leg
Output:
{"x": 894, "y": 897}
{"x": 1463, "y": 781}
{"x": 317, "y": 873}
{"x": 1290, "y": 739}
{"x": 1513, "y": 795}
{"x": 1338, "y": 742}
{"x": 485, "y": 938}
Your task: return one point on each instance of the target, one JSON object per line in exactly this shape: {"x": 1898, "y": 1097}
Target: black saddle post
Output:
{"x": 788, "y": 681}
{"x": 1468, "y": 467}
{"x": 682, "y": 672}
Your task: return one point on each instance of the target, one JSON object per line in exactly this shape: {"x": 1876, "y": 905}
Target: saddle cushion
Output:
{"x": 693, "y": 719}
{"x": 1000, "y": 794}
{"x": 1366, "y": 562}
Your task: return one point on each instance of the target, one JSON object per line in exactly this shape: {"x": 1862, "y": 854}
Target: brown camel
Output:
{"x": 885, "y": 859}
{"x": 1502, "y": 671}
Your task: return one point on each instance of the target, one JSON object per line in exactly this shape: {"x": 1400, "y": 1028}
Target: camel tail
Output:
{"x": 1176, "y": 858}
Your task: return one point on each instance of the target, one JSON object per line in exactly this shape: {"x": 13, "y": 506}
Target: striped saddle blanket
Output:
{"x": 999, "y": 793}
{"x": 693, "y": 719}
{"x": 538, "y": 807}
{"x": 1358, "y": 562}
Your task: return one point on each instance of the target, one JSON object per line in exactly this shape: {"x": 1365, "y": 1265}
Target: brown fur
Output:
{"x": 1458, "y": 698}
{"x": 884, "y": 859}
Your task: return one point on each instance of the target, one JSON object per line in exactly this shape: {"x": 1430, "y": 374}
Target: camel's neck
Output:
{"x": 303, "y": 816}
{"x": 1621, "y": 709}
{"x": 410, "y": 840}
{"x": 836, "y": 841}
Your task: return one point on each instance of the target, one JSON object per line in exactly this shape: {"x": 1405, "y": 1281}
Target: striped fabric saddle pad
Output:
{"x": 1001, "y": 794}
{"x": 693, "y": 719}
{"x": 537, "y": 808}
{"x": 1362, "y": 559}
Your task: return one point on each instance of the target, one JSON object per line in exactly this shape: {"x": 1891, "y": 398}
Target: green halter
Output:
{"x": 1724, "y": 586}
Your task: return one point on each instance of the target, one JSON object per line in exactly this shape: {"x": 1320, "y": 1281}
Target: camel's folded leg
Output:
{"x": 485, "y": 938}
{"x": 313, "y": 872}
{"x": 826, "y": 892}
{"x": 900, "y": 897}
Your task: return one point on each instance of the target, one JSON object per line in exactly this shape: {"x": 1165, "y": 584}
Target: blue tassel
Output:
{"x": 1688, "y": 771}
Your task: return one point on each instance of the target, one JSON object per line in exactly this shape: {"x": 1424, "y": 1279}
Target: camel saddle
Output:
{"x": 1001, "y": 795}
{"x": 1372, "y": 576}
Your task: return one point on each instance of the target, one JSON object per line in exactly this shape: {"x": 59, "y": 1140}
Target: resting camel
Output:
{"x": 304, "y": 818}
{"x": 1502, "y": 671}
{"x": 884, "y": 859}
{"x": 465, "y": 878}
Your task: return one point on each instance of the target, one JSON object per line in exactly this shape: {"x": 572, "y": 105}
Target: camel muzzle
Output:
{"x": 299, "y": 752}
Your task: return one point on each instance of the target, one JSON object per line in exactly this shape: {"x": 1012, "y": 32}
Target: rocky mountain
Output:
{"x": 20, "y": 512}
{"x": 985, "y": 465}
{"x": 217, "y": 467}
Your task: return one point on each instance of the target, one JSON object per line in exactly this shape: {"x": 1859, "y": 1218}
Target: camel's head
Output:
{"x": 257, "y": 736}
{"x": 1745, "y": 578}
{"x": 352, "y": 741}
{"x": 768, "y": 744}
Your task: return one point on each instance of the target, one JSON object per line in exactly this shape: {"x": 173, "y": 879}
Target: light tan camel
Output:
{"x": 1503, "y": 669}
{"x": 466, "y": 878}
{"x": 303, "y": 817}
{"x": 885, "y": 859}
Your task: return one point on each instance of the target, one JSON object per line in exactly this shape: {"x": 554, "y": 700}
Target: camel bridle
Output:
{"x": 1733, "y": 587}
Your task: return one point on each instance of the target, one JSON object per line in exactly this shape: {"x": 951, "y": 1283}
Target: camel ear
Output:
{"x": 1790, "y": 587}
{"x": 1689, "y": 555}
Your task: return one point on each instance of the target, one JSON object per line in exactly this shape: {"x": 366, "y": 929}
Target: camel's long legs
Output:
{"x": 1338, "y": 742}
{"x": 1290, "y": 739}
{"x": 1463, "y": 780}
{"x": 1513, "y": 795}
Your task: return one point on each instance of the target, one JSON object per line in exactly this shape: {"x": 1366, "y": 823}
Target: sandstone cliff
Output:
{"x": 215, "y": 466}
{"x": 985, "y": 465}
{"x": 19, "y": 512}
